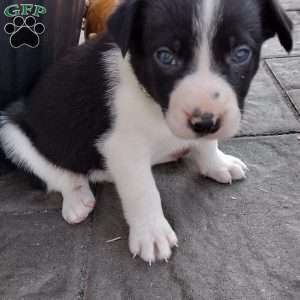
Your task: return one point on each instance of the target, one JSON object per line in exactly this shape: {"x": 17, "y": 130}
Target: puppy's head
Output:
{"x": 197, "y": 58}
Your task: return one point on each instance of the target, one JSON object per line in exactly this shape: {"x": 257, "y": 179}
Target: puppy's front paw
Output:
{"x": 77, "y": 205}
{"x": 223, "y": 168}
{"x": 152, "y": 240}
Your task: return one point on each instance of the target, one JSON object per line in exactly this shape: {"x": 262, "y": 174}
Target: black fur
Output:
{"x": 240, "y": 25}
{"x": 276, "y": 21}
{"x": 170, "y": 23}
{"x": 67, "y": 109}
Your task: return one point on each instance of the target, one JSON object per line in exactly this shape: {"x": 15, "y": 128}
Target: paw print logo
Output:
{"x": 24, "y": 32}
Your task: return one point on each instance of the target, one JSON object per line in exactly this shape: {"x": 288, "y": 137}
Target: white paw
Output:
{"x": 153, "y": 240}
{"x": 223, "y": 168}
{"x": 77, "y": 205}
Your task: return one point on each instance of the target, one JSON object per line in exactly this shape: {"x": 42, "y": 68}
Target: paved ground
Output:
{"x": 236, "y": 242}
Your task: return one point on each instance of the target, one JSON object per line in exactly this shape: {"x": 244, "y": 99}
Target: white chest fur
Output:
{"x": 139, "y": 122}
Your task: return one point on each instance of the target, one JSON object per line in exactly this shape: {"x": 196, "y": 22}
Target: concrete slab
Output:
{"x": 273, "y": 48}
{"x": 287, "y": 71}
{"x": 295, "y": 98}
{"x": 266, "y": 110}
{"x": 41, "y": 257}
{"x": 290, "y": 4}
{"x": 19, "y": 195}
{"x": 236, "y": 242}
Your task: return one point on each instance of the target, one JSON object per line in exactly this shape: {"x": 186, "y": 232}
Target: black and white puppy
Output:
{"x": 171, "y": 75}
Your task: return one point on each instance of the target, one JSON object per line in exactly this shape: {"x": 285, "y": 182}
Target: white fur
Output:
{"x": 213, "y": 163}
{"x": 99, "y": 176}
{"x": 78, "y": 201}
{"x": 209, "y": 11}
{"x": 140, "y": 138}
{"x": 196, "y": 92}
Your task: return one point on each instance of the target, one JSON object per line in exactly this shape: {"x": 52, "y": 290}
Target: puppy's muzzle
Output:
{"x": 203, "y": 106}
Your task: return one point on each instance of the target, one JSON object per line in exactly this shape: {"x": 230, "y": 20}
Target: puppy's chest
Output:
{"x": 146, "y": 126}
{"x": 166, "y": 147}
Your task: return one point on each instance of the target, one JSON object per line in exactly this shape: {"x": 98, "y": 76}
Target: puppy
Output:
{"x": 98, "y": 12}
{"x": 170, "y": 76}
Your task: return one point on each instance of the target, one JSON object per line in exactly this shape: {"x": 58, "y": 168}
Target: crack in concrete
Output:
{"x": 281, "y": 89}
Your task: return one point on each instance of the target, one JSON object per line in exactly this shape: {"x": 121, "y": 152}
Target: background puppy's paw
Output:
{"x": 152, "y": 241}
{"x": 223, "y": 168}
{"x": 77, "y": 205}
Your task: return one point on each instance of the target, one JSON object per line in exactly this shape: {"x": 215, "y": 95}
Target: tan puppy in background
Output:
{"x": 98, "y": 11}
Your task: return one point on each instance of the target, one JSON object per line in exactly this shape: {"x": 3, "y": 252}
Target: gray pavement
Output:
{"x": 236, "y": 242}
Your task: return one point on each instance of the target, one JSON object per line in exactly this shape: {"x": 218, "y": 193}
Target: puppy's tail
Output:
{"x": 5, "y": 164}
{"x": 8, "y": 118}
{"x": 16, "y": 149}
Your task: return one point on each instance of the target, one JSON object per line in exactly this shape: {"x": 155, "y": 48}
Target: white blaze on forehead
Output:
{"x": 197, "y": 91}
{"x": 208, "y": 14}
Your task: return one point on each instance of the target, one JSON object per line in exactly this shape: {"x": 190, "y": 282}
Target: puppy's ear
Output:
{"x": 276, "y": 21}
{"x": 121, "y": 24}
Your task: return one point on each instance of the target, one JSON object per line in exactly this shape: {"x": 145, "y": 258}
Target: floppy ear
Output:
{"x": 276, "y": 21}
{"x": 120, "y": 25}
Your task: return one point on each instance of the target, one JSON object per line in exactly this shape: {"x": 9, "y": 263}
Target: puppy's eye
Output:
{"x": 240, "y": 55}
{"x": 165, "y": 57}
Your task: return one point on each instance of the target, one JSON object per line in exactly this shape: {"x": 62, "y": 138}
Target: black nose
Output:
{"x": 204, "y": 124}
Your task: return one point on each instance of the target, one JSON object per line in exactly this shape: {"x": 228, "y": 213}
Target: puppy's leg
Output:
{"x": 78, "y": 200}
{"x": 214, "y": 164}
{"x": 151, "y": 237}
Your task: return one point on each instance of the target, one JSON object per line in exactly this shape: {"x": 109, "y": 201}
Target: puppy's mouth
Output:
{"x": 204, "y": 125}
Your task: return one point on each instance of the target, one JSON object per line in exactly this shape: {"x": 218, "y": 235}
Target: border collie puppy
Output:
{"x": 170, "y": 76}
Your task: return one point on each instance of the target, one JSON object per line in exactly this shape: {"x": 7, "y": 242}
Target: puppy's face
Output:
{"x": 197, "y": 58}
